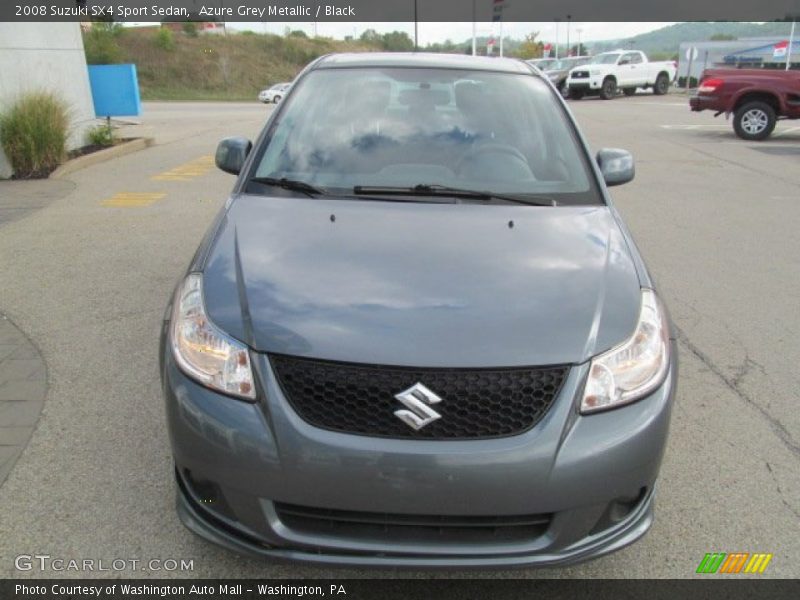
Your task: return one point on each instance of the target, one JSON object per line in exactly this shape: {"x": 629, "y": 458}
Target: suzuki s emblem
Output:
{"x": 418, "y": 399}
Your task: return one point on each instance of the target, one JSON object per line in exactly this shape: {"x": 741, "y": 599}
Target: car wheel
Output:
{"x": 277, "y": 99}
{"x": 661, "y": 86}
{"x": 563, "y": 90}
{"x": 629, "y": 91}
{"x": 575, "y": 94}
{"x": 754, "y": 121}
{"x": 609, "y": 89}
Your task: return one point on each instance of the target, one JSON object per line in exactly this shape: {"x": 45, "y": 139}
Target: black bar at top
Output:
{"x": 398, "y": 10}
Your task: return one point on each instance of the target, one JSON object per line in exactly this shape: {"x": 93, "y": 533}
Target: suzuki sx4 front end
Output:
{"x": 418, "y": 333}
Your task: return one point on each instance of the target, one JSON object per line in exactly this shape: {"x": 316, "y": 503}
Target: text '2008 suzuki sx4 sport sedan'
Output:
{"x": 418, "y": 333}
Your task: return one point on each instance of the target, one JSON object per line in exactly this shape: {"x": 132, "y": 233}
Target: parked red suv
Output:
{"x": 756, "y": 97}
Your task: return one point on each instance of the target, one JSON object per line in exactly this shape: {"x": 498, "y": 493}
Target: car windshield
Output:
{"x": 606, "y": 59}
{"x": 346, "y": 128}
{"x": 564, "y": 63}
{"x": 547, "y": 63}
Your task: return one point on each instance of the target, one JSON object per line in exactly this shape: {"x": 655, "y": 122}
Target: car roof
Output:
{"x": 424, "y": 60}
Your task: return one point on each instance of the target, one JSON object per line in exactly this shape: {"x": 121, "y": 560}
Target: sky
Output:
{"x": 458, "y": 32}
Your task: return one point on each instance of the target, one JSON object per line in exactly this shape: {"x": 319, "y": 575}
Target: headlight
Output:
{"x": 634, "y": 368}
{"x": 204, "y": 352}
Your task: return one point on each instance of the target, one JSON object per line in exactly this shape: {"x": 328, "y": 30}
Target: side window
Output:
{"x": 635, "y": 58}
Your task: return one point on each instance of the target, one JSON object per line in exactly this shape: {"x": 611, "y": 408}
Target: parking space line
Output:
{"x": 781, "y": 132}
{"x": 132, "y": 199}
{"x": 196, "y": 168}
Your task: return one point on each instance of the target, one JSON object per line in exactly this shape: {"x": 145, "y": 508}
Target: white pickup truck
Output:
{"x": 623, "y": 70}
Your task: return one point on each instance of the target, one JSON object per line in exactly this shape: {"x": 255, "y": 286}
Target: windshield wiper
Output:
{"x": 291, "y": 184}
{"x": 435, "y": 190}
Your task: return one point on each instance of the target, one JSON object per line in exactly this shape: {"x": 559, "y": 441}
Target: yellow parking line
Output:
{"x": 195, "y": 168}
{"x": 132, "y": 199}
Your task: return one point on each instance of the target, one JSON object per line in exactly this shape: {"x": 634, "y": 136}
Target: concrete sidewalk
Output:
{"x": 23, "y": 384}
{"x": 19, "y": 198}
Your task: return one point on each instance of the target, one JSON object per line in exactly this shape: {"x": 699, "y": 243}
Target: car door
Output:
{"x": 639, "y": 70}
{"x": 625, "y": 70}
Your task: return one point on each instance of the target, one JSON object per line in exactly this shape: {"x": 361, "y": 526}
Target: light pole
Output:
{"x": 416, "y": 46}
{"x": 569, "y": 20}
{"x": 580, "y": 50}
{"x": 557, "y": 20}
{"x": 474, "y": 41}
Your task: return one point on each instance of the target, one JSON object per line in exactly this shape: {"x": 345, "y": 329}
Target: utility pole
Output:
{"x": 580, "y": 50}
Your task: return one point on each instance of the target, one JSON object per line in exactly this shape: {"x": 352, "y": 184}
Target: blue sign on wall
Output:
{"x": 115, "y": 90}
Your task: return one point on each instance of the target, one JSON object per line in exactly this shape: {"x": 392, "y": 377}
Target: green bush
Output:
{"x": 101, "y": 44}
{"x": 164, "y": 39}
{"x": 33, "y": 133}
{"x": 101, "y": 135}
{"x": 190, "y": 29}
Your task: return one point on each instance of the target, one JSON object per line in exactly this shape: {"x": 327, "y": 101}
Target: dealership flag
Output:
{"x": 780, "y": 49}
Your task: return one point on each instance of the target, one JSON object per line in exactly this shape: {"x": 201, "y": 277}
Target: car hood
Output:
{"x": 446, "y": 285}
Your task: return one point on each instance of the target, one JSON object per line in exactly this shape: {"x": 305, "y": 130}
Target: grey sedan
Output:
{"x": 418, "y": 333}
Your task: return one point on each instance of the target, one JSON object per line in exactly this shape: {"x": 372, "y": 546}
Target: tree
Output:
{"x": 530, "y": 47}
{"x": 370, "y": 36}
{"x": 578, "y": 50}
{"x": 722, "y": 37}
{"x": 397, "y": 41}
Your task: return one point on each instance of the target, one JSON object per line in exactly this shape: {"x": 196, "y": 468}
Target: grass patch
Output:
{"x": 217, "y": 67}
{"x": 33, "y": 133}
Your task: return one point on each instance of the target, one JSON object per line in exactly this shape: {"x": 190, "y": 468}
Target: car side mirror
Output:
{"x": 616, "y": 165}
{"x": 231, "y": 154}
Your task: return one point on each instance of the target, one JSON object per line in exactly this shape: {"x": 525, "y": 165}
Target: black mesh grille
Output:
{"x": 580, "y": 75}
{"x": 360, "y": 399}
{"x": 444, "y": 529}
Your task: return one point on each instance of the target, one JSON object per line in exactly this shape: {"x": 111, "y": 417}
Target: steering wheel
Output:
{"x": 491, "y": 148}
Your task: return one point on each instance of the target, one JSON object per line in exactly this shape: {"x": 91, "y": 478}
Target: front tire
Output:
{"x": 563, "y": 90}
{"x": 609, "y": 89}
{"x": 661, "y": 86}
{"x": 276, "y": 99}
{"x": 754, "y": 121}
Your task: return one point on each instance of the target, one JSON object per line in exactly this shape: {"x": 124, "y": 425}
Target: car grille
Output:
{"x": 360, "y": 399}
{"x": 418, "y": 529}
{"x": 580, "y": 75}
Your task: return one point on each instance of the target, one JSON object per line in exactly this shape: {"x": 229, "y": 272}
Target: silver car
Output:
{"x": 275, "y": 93}
{"x": 418, "y": 333}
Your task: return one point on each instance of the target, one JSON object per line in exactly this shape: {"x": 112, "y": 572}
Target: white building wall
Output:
{"x": 46, "y": 56}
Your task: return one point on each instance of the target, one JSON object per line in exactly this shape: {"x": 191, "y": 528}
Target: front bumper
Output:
{"x": 571, "y": 467}
{"x": 593, "y": 84}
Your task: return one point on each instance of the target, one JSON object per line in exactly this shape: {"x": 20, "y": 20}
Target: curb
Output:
{"x": 127, "y": 146}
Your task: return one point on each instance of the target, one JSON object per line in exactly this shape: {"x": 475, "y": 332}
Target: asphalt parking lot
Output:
{"x": 87, "y": 276}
